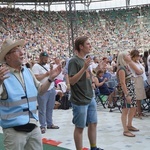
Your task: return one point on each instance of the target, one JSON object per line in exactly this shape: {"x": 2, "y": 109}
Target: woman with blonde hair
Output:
{"x": 127, "y": 93}
{"x": 139, "y": 81}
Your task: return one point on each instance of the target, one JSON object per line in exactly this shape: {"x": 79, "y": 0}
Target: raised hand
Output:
{"x": 3, "y": 73}
{"x": 55, "y": 72}
{"x": 105, "y": 79}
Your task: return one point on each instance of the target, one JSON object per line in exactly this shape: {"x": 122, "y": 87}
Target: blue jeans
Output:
{"x": 46, "y": 103}
{"x": 84, "y": 114}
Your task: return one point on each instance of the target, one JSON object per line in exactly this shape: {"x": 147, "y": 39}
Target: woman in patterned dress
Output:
{"x": 126, "y": 92}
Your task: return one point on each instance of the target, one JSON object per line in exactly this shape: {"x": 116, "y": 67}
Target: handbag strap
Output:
{"x": 148, "y": 85}
{"x": 42, "y": 66}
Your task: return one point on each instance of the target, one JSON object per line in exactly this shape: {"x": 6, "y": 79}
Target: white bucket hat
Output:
{"x": 8, "y": 45}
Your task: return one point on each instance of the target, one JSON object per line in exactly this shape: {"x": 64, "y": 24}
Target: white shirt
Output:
{"x": 38, "y": 69}
{"x": 94, "y": 65}
{"x": 140, "y": 66}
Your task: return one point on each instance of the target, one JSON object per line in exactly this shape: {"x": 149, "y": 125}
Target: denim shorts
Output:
{"x": 84, "y": 114}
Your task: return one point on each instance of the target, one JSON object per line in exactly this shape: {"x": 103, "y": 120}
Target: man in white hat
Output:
{"x": 18, "y": 92}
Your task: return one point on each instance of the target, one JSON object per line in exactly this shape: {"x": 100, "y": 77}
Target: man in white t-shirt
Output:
{"x": 46, "y": 102}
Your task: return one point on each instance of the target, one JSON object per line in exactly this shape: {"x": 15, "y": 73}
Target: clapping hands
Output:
{"x": 3, "y": 71}
{"x": 55, "y": 72}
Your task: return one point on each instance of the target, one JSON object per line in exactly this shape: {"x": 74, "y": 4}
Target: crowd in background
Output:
{"x": 111, "y": 30}
{"x": 46, "y": 46}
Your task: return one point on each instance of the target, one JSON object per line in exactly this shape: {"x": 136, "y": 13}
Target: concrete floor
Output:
{"x": 109, "y": 131}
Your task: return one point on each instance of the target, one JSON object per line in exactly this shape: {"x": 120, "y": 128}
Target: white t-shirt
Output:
{"x": 113, "y": 64}
{"x": 38, "y": 69}
{"x": 94, "y": 65}
{"x": 140, "y": 66}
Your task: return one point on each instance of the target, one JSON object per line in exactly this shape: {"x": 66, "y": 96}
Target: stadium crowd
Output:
{"x": 111, "y": 30}
{"x": 43, "y": 40}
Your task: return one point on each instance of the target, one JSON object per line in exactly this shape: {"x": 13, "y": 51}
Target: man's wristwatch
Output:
{"x": 49, "y": 80}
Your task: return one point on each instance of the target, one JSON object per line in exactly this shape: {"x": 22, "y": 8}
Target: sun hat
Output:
{"x": 8, "y": 45}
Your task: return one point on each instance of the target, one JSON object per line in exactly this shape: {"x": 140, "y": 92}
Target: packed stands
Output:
{"x": 109, "y": 30}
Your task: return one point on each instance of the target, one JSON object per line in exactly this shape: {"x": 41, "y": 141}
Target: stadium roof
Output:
{"x": 47, "y": 2}
{"x": 33, "y": 1}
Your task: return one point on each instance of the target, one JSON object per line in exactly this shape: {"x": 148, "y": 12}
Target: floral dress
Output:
{"x": 130, "y": 87}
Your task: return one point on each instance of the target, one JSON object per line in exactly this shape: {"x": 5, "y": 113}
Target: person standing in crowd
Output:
{"x": 148, "y": 64}
{"x": 110, "y": 57}
{"x": 127, "y": 93}
{"x": 106, "y": 63}
{"x": 46, "y": 102}
{"x": 114, "y": 64}
{"x": 144, "y": 58}
{"x": 18, "y": 103}
{"x": 65, "y": 72}
{"x": 61, "y": 75}
{"x": 82, "y": 99}
{"x": 94, "y": 64}
{"x": 139, "y": 80}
